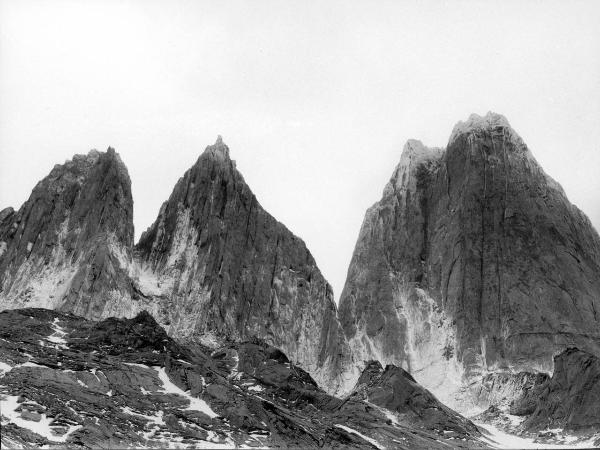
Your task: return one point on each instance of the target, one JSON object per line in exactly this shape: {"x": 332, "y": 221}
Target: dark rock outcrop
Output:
{"x": 570, "y": 399}
{"x": 218, "y": 263}
{"x": 396, "y": 390}
{"x": 473, "y": 261}
{"x": 139, "y": 388}
{"x": 69, "y": 245}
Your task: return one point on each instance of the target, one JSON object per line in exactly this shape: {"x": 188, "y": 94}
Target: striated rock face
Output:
{"x": 68, "y": 247}
{"x": 473, "y": 261}
{"x": 215, "y": 262}
{"x": 71, "y": 383}
{"x": 569, "y": 400}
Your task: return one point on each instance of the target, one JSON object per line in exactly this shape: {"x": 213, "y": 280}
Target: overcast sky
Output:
{"x": 314, "y": 98}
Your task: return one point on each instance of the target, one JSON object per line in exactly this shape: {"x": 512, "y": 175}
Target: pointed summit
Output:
{"x": 230, "y": 269}
{"x": 414, "y": 154}
{"x": 218, "y": 150}
{"x": 68, "y": 246}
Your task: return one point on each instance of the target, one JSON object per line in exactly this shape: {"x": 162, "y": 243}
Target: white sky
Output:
{"x": 314, "y": 98}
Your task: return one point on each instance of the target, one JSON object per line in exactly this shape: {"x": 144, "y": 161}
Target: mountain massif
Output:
{"x": 473, "y": 292}
{"x": 215, "y": 265}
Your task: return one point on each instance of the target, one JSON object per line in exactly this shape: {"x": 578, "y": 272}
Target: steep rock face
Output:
{"x": 473, "y": 261}
{"x": 215, "y": 262}
{"x": 69, "y": 245}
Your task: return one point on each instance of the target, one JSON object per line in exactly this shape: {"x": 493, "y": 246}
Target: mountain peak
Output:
{"x": 414, "y": 153}
{"x": 416, "y": 150}
{"x": 218, "y": 150}
{"x": 476, "y": 122}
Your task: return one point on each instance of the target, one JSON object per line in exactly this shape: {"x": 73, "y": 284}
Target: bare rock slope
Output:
{"x": 66, "y": 382}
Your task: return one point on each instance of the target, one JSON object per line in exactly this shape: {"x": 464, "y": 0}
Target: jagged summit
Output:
{"x": 82, "y": 163}
{"x": 413, "y": 155}
{"x": 475, "y": 121}
{"x": 218, "y": 150}
{"x": 92, "y": 155}
{"x": 415, "y": 151}
{"x": 477, "y": 124}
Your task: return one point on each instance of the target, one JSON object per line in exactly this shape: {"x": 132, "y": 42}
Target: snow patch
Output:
{"x": 58, "y": 337}
{"x": 30, "y": 364}
{"x": 196, "y": 404}
{"x": 137, "y": 365}
{"x": 43, "y": 428}
{"x": 256, "y": 388}
{"x": 4, "y": 368}
{"x": 362, "y": 436}
{"x": 501, "y": 439}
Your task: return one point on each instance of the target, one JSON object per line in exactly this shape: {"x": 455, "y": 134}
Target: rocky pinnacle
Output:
{"x": 68, "y": 245}
{"x": 225, "y": 267}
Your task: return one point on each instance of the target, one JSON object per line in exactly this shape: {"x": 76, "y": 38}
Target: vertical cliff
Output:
{"x": 473, "y": 261}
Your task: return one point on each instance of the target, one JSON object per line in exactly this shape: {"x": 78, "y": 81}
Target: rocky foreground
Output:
{"x": 70, "y": 382}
